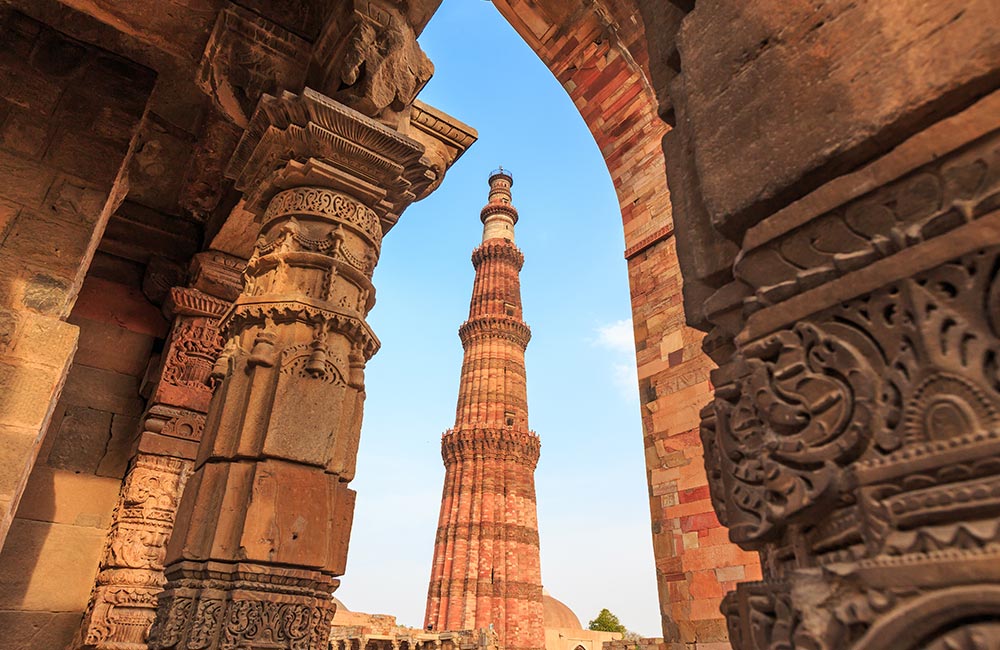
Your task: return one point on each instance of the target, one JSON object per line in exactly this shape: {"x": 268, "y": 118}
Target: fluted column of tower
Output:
{"x": 486, "y": 569}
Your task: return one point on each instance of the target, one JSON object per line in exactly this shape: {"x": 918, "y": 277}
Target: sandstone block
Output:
{"x": 70, "y": 498}
{"x": 63, "y": 561}
{"x": 25, "y": 182}
{"x": 103, "y": 390}
{"x": 80, "y": 440}
{"x": 17, "y": 449}
{"x": 25, "y": 630}
{"x": 111, "y": 347}
{"x": 845, "y": 80}
{"x": 40, "y": 239}
{"x": 30, "y": 390}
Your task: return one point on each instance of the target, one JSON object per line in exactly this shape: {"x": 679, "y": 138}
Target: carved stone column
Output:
{"x": 854, "y": 440}
{"x": 123, "y": 603}
{"x": 263, "y": 529}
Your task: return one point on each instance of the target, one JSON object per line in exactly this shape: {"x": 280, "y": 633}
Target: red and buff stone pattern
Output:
{"x": 486, "y": 568}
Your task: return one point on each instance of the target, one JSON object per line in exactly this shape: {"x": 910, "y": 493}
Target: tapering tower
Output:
{"x": 486, "y": 569}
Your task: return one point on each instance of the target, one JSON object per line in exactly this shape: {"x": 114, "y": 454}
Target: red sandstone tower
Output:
{"x": 486, "y": 567}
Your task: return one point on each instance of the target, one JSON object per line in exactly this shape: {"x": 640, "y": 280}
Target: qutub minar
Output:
{"x": 486, "y": 571}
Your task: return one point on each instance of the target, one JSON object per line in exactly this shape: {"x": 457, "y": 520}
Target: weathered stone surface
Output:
{"x": 369, "y": 60}
{"x": 36, "y": 629}
{"x": 848, "y": 437}
{"x": 770, "y": 100}
{"x": 60, "y": 585}
{"x": 112, "y": 347}
{"x": 844, "y": 82}
{"x": 123, "y": 604}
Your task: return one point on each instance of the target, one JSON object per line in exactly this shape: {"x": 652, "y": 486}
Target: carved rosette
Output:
{"x": 123, "y": 604}
{"x": 859, "y": 450}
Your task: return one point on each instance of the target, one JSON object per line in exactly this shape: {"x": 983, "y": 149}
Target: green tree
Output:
{"x": 607, "y": 622}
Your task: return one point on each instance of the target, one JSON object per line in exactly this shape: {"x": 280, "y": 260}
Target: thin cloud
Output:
{"x": 626, "y": 380}
{"x": 617, "y": 336}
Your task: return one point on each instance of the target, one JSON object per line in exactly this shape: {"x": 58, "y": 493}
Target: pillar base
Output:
{"x": 244, "y": 606}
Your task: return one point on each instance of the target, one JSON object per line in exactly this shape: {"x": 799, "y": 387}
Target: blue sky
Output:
{"x": 583, "y": 401}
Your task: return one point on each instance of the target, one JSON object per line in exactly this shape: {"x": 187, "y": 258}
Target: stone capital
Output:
{"x": 312, "y": 140}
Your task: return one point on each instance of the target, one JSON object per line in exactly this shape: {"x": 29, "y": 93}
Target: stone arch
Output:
{"x": 757, "y": 183}
{"x": 617, "y": 78}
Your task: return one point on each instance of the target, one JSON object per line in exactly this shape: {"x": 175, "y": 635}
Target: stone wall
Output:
{"x": 51, "y": 556}
{"x": 68, "y": 115}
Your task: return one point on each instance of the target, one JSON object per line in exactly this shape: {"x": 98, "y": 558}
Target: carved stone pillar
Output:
{"x": 263, "y": 528}
{"x": 854, "y": 440}
{"x": 123, "y": 603}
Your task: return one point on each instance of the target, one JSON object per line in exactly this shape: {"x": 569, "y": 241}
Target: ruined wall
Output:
{"x": 600, "y": 54}
{"x": 67, "y": 118}
{"x": 51, "y": 556}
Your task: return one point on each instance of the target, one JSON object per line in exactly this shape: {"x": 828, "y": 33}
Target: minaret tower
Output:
{"x": 486, "y": 569}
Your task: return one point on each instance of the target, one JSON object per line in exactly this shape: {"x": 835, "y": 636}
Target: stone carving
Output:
{"x": 503, "y": 327}
{"x": 375, "y": 64}
{"x": 445, "y": 139}
{"x": 217, "y": 275}
{"x": 858, "y": 451}
{"x": 194, "y": 346}
{"x": 324, "y": 203}
{"x": 295, "y": 617}
{"x": 247, "y": 56}
{"x": 123, "y": 604}
{"x": 495, "y": 444}
{"x": 928, "y": 202}
{"x": 191, "y": 302}
{"x": 282, "y": 432}
{"x": 800, "y": 409}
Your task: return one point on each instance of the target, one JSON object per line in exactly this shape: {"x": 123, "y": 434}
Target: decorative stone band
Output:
{"x": 501, "y": 444}
{"x": 498, "y": 249}
{"x": 498, "y": 208}
{"x": 262, "y": 604}
{"x": 941, "y": 179}
{"x": 182, "y": 301}
{"x": 325, "y": 204}
{"x": 662, "y": 234}
{"x": 363, "y": 153}
{"x": 489, "y": 530}
{"x": 502, "y": 327}
{"x": 247, "y": 312}
{"x": 495, "y": 588}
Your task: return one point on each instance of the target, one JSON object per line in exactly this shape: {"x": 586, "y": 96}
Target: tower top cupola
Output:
{"x": 499, "y": 215}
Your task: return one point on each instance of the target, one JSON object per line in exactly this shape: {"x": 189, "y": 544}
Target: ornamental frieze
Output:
{"x": 929, "y": 201}
{"x": 501, "y": 327}
{"x": 501, "y": 444}
{"x": 195, "y": 343}
{"x": 500, "y": 250}
{"x": 327, "y": 204}
{"x": 859, "y": 449}
{"x": 123, "y": 603}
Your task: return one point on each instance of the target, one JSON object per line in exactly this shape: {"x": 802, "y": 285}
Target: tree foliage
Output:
{"x": 607, "y": 622}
